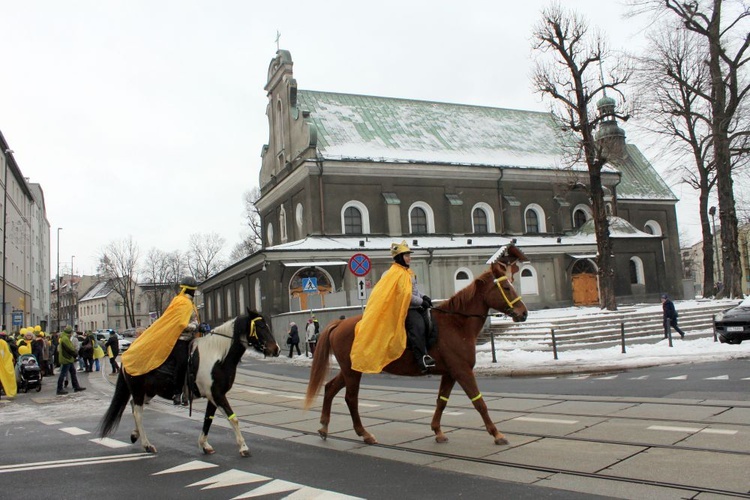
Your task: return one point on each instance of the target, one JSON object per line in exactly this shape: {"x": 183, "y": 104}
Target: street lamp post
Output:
{"x": 58, "y": 278}
{"x": 72, "y": 296}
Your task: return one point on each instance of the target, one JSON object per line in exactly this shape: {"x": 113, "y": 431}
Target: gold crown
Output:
{"x": 399, "y": 248}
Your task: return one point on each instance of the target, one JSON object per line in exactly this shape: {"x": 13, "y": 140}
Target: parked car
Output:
{"x": 733, "y": 325}
{"x": 103, "y": 335}
{"x": 130, "y": 332}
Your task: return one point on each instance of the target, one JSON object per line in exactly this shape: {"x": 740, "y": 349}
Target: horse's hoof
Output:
{"x": 371, "y": 440}
{"x": 150, "y": 448}
{"x": 441, "y": 439}
{"x": 501, "y": 440}
{"x": 208, "y": 451}
{"x": 245, "y": 453}
{"x": 134, "y": 437}
{"x": 323, "y": 434}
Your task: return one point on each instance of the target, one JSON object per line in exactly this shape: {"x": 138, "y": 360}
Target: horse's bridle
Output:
{"x": 502, "y": 292}
{"x": 497, "y": 282}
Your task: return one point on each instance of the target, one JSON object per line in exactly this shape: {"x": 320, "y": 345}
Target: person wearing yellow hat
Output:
{"x": 396, "y": 310}
{"x": 152, "y": 348}
{"x": 67, "y": 357}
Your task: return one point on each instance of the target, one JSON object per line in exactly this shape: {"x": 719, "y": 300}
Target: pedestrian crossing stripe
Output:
{"x": 231, "y": 477}
{"x": 194, "y": 465}
{"x": 74, "y": 431}
{"x": 679, "y": 377}
{"x": 110, "y": 443}
{"x": 274, "y": 487}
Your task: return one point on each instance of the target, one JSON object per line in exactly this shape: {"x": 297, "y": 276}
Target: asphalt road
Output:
{"x": 50, "y": 444}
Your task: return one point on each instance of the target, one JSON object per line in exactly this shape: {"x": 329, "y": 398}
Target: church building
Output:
{"x": 345, "y": 175}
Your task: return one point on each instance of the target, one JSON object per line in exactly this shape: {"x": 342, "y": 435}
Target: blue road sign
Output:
{"x": 309, "y": 285}
{"x": 360, "y": 264}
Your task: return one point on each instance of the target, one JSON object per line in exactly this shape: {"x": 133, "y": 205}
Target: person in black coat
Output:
{"x": 670, "y": 316}
{"x": 293, "y": 339}
{"x": 112, "y": 348}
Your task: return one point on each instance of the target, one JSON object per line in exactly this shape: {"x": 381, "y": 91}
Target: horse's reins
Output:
{"x": 253, "y": 332}
{"x": 497, "y": 282}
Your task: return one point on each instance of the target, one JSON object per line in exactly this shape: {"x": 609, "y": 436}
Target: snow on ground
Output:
{"x": 525, "y": 358}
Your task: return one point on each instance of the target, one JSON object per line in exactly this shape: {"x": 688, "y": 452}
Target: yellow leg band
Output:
{"x": 234, "y": 416}
{"x": 444, "y": 398}
{"x": 478, "y": 396}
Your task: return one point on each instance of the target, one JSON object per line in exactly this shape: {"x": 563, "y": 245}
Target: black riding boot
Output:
{"x": 415, "y": 336}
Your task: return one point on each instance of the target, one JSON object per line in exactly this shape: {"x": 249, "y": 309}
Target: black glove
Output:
{"x": 426, "y": 302}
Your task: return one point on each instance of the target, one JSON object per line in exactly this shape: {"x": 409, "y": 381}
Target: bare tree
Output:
{"x": 118, "y": 263}
{"x": 726, "y": 39}
{"x": 161, "y": 273}
{"x": 672, "y": 82}
{"x": 204, "y": 255}
{"x": 567, "y": 63}
{"x": 252, "y": 241}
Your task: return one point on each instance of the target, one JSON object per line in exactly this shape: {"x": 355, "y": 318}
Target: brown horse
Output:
{"x": 459, "y": 321}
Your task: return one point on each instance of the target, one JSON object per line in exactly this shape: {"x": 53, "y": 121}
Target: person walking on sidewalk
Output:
{"x": 68, "y": 356}
{"x": 670, "y": 316}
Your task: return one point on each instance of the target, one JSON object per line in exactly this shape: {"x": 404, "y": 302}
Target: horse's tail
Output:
{"x": 111, "y": 418}
{"x": 320, "y": 363}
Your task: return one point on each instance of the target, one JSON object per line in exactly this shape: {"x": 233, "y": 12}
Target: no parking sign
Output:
{"x": 360, "y": 264}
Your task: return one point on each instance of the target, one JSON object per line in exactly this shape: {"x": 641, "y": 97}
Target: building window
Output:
{"x": 637, "y": 276}
{"x": 529, "y": 284}
{"x": 418, "y": 219}
{"x": 258, "y": 296}
{"x": 241, "y": 299}
{"x": 299, "y": 216}
{"x": 352, "y": 221}
{"x": 269, "y": 234}
{"x": 282, "y": 224}
{"x": 534, "y": 217}
{"x": 532, "y": 222}
{"x": 652, "y": 227}
{"x": 579, "y": 218}
{"x": 355, "y": 219}
{"x": 462, "y": 278}
{"x": 479, "y": 220}
{"x": 229, "y": 303}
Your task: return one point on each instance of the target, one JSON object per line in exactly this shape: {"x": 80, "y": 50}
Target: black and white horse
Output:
{"x": 213, "y": 366}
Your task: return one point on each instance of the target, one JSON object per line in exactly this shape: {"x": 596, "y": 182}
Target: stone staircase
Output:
{"x": 599, "y": 329}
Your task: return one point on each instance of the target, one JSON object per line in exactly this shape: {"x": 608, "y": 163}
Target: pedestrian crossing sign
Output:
{"x": 309, "y": 285}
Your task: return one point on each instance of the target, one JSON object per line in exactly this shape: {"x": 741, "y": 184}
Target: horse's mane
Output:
{"x": 463, "y": 298}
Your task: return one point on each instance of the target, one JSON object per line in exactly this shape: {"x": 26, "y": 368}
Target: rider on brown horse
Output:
{"x": 396, "y": 311}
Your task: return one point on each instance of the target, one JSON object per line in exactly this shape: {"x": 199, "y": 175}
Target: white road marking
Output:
{"x": 74, "y": 431}
{"x": 444, "y": 413}
{"x": 678, "y": 377}
{"x": 727, "y": 432}
{"x": 230, "y": 478}
{"x": 253, "y": 391}
{"x": 194, "y": 465}
{"x": 720, "y": 377}
{"x": 275, "y": 486}
{"x": 642, "y": 377}
{"x": 49, "y": 421}
{"x": 546, "y": 420}
{"x": 75, "y": 462}
{"x": 609, "y": 377}
{"x": 292, "y": 397}
{"x": 110, "y": 443}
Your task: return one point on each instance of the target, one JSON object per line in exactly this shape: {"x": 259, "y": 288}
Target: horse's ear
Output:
{"x": 249, "y": 312}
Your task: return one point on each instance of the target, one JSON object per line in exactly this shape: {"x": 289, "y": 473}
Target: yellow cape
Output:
{"x": 7, "y": 372}
{"x": 380, "y": 336}
{"x": 152, "y": 347}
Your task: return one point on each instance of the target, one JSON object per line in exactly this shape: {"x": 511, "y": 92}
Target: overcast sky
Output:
{"x": 147, "y": 118}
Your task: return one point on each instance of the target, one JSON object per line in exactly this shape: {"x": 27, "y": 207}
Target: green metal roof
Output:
{"x": 403, "y": 130}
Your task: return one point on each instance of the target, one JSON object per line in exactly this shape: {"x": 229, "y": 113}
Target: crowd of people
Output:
{"x": 69, "y": 351}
